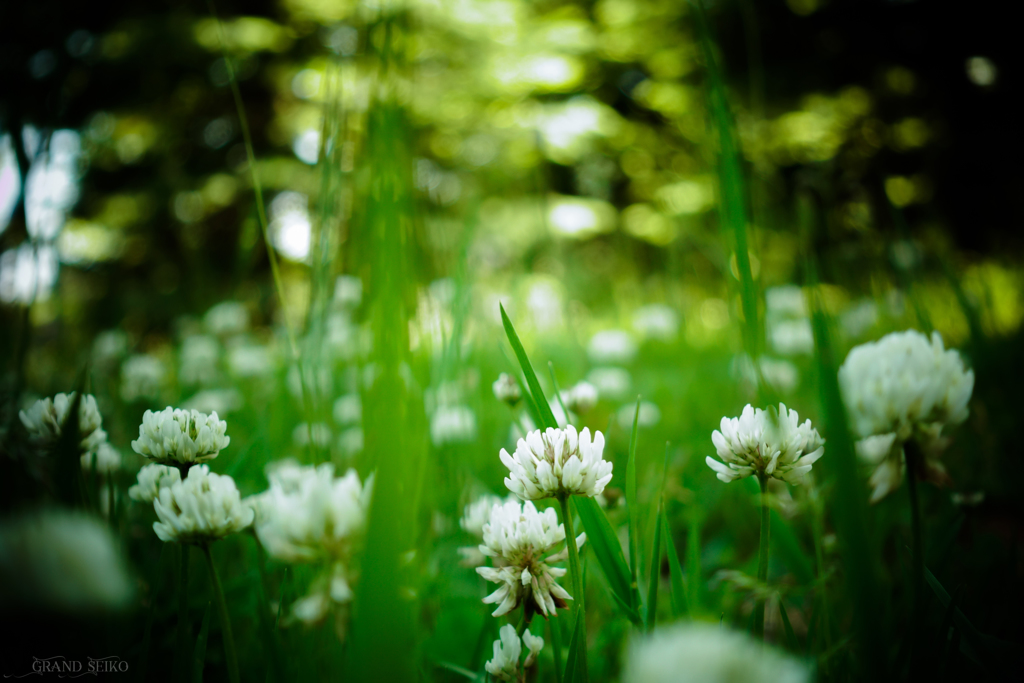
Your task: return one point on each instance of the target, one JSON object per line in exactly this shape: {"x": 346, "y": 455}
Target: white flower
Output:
{"x": 904, "y": 386}
{"x": 702, "y": 653}
{"x": 504, "y": 665}
{"x": 308, "y": 513}
{"x": 348, "y": 410}
{"x": 649, "y": 416}
{"x": 656, "y": 321}
{"x": 520, "y": 538}
{"x": 581, "y": 398}
{"x": 227, "y": 317}
{"x": 151, "y": 479}
{"x": 200, "y": 354}
{"x": 45, "y": 419}
{"x": 792, "y": 337}
{"x": 452, "y": 424}
{"x": 142, "y": 376}
{"x": 181, "y": 436}
{"x": 106, "y": 457}
{"x": 474, "y": 516}
{"x": 63, "y": 560}
{"x": 202, "y": 508}
{"x": 506, "y": 389}
{"x": 758, "y": 442}
{"x": 611, "y": 382}
{"x": 320, "y": 432}
{"x": 612, "y": 346}
{"x": 508, "y": 648}
{"x": 220, "y": 401}
{"x": 557, "y": 462}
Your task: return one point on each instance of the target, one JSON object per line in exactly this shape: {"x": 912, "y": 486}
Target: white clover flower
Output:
{"x": 106, "y": 457}
{"x": 656, "y": 321}
{"x": 474, "y": 516}
{"x": 220, "y": 401}
{"x": 520, "y": 538}
{"x": 321, "y": 433}
{"x": 151, "y": 479}
{"x": 308, "y": 513}
{"x": 199, "y": 358}
{"x": 62, "y": 560}
{"x": 45, "y": 419}
{"x": 227, "y": 317}
{"x": 506, "y": 389}
{"x": 348, "y": 409}
{"x": 181, "y": 436}
{"x": 612, "y": 346}
{"x": 611, "y": 382}
{"x": 649, "y": 416}
{"x": 204, "y": 507}
{"x": 452, "y": 424}
{"x": 702, "y": 653}
{"x": 904, "y": 387}
{"x": 759, "y": 442}
{"x": 248, "y": 359}
{"x": 142, "y": 376}
{"x": 504, "y": 665}
{"x": 581, "y": 398}
{"x": 557, "y": 462}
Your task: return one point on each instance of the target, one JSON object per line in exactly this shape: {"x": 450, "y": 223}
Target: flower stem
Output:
{"x": 183, "y": 635}
{"x": 225, "y": 621}
{"x": 762, "y": 556}
{"x": 574, "y": 568}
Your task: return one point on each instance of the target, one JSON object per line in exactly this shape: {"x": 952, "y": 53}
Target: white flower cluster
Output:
{"x": 452, "y": 424}
{"x": 506, "y": 389}
{"x": 763, "y": 443}
{"x": 106, "y": 459}
{"x": 151, "y": 479}
{"x": 701, "y": 653}
{"x": 520, "y": 540}
{"x": 557, "y": 462}
{"x": 181, "y": 436}
{"x": 474, "y": 517}
{"x": 202, "y": 508}
{"x": 581, "y": 398}
{"x": 310, "y": 515}
{"x": 504, "y": 665}
{"x": 904, "y": 386}
{"x": 45, "y": 419}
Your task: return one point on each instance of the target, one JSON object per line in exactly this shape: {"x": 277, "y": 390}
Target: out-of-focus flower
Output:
{"x": 557, "y": 462}
{"x": 220, "y": 401}
{"x": 204, "y": 507}
{"x": 348, "y": 409}
{"x": 142, "y": 376}
{"x": 581, "y": 398}
{"x": 508, "y": 648}
{"x": 520, "y": 539}
{"x": 227, "y": 318}
{"x": 200, "y": 354}
{"x": 250, "y": 360}
{"x": 474, "y": 517}
{"x": 792, "y": 337}
{"x": 649, "y": 416}
{"x": 45, "y": 419}
{"x": 506, "y": 389}
{"x": 452, "y": 424}
{"x": 904, "y": 387}
{"x": 106, "y": 457}
{"x": 762, "y": 443}
{"x": 611, "y": 382}
{"x": 62, "y": 560}
{"x": 656, "y": 321}
{"x": 320, "y": 432}
{"x": 348, "y": 291}
{"x": 151, "y": 479}
{"x": 612, "y": 346}
{"x": 780, "y": 374}
{"x": 181, "y": 436}
{"x": 701, "y": 653}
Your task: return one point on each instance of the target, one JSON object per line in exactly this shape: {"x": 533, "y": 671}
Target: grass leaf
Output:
{"x": 787, "y": 627}
{"x": 572, "y": 668}
{"x": 675, "y": 570}
{"x": 608, "y": 551}
{"x": 547, "y": 417}
{"x": 199, "y": 655}
{"x": 652, "y": 584}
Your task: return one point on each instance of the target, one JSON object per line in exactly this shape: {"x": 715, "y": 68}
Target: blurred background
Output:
{"x": 188, "y": 207}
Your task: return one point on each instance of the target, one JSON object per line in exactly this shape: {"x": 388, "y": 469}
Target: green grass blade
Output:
{"x": 787, "y": 627}
{"x": 693, "y": 570}
{"x": 651, "y": 611}
{"x": 785, "y": 543}
{"x": 547, "y": 418}
{"x": 632, "y": 508}
{"x": 555, "y": 628}
{"x": 608, "y": 551}
{"x": 199, "y": 655}
{"x": 572, "y": 669}
{"x": 675, "y": 570}
{"x": 558, "y": 393}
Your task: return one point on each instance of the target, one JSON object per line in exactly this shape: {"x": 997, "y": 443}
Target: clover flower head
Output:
{"x": 507, "y": 390}
{"x": 504, "y": 665}
{"x": 107, "y": 459}
{"x": 181, "y": 436}
{"x": 452, "y": 424}
{"x": 45, "y": 420}
{"x": 151, "y": 479}
{"x": 474, "y": 517}
{"x": 557, "y": 462}
{"x": 581, "y": 398}
{"x": 703, "y": 653}
{"x": 203, "y": 507}
{"x": 904, "y": 387}
{"x": 766, "y": 444}
{"x": 524, "y": 543}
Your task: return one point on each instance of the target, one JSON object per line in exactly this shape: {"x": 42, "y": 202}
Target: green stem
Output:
{"x": 762, "y": 556}
{"x": 574, "y": 569}
{"x": 183, "y": 635}
{"x": 917, "y": 549}
{"x": 225, "y": 621}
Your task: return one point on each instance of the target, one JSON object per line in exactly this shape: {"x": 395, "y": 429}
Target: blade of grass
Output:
{"x": 675, "y": 570}
{"x": 651, "y": 611}
{"x": 786, "y": 626}
{"x": 608, "y": 551}
{"x": 547, "y": 417}
{"x": 558, "y": 394}
{"x": 633, "y": 510}
{"x": 572, "y": 668}
{"x": 199, "y": 655}
{"x": 555, "y": 628}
